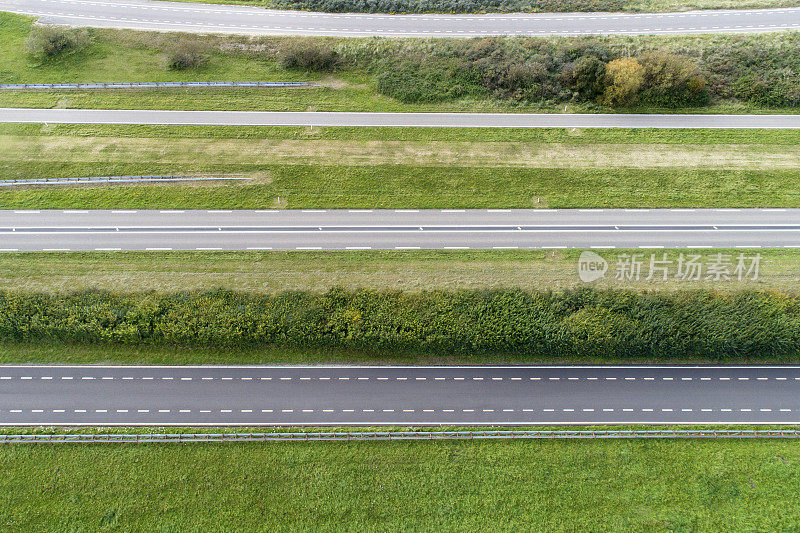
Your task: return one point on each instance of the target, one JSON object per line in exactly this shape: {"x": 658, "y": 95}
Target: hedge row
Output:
{"x": 580, "y": 323}
{"x": 448, "y": 6}
{"x": 676, "y": 72}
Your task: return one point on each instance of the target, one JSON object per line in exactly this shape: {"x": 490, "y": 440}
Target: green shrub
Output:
{"x": 308, "y": 54}
{"x": 761, "y": 91}
{"x": 47, "y": 42}
{"x": 671, "y": 80}
{"x": 186, "y": 55}
{"x": 588, "y": 77}
{"x": 415, "y": 80}
{"x": 582, "y": 323}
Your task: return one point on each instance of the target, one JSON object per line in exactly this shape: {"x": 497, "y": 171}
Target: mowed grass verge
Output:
{"x": 403, "y": 168}
{"x": 698, "y": 485}
{"x": 13, "y": 353}
{"x": 396, "y": 187}
{"x": 269, "y": 272}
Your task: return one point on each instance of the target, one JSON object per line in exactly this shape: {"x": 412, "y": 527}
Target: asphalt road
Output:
{"x": 341, "y": 395}
{"x": 169, "y": 16}
{"x": 397, "y": 229}
{"x": 421, "y": 120}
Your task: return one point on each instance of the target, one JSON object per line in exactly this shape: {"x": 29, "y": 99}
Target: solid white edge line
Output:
{"x": 418, "y": 367}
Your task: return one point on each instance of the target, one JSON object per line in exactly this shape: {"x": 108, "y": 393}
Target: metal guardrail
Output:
{"x": 115, "y": 179}
{"x": 153, "y": 85}
{"x": 395, "y": 436}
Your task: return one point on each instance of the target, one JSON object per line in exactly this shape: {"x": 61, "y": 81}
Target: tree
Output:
{"x": 624, "y": 78}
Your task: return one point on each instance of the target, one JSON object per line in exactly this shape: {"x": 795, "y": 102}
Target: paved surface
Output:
{"x": 91, "y": 395}
{"x": 169, "y": 16}
{"x": 398, "y": 229}
{"x": 421, "y": 120}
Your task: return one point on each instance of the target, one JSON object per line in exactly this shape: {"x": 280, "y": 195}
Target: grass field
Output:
{"x": 268, "y": 272}
{"x": 450, "y": 486}
{"x": 404, "y": 167}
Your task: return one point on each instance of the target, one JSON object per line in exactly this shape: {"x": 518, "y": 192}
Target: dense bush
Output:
{"x": 675, "y": 72}
{"x": 581, "y": 323}
{"x": 417, "y": 81}
{"x": 45, "y": 42}
{"x": 588, "y": 77}
{"x": 186, "y": 55}
{"x": 308, "y": 54}
{"x": 623, "y": 81}
{"x": 447, "y": 6}
{"x": 672, "y": 81}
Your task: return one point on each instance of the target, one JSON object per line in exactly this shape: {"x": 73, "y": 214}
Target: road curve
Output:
{"x": 207, "y": 18}
{"x": 416, "y": 120}
{"x": 352, "y": 395}
{"x": 359, "y": 229}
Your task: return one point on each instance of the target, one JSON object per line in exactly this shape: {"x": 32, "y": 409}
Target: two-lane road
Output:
{"x": 357, "y": 229}
{"x": 409, "y": 120}
{"x": 175, "y": 16}
{"x": 354, "y": 395}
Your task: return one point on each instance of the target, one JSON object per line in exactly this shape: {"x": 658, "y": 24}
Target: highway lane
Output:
{"x": 343, "y": 395}
{"x": 169, "y": 16}
{"x": 420, "y": 120}
{"x": 36, "y": 230}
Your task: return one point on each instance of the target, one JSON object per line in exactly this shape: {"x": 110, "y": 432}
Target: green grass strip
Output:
{"x": 394, "y": 186}
{"x": 711, "y": 485}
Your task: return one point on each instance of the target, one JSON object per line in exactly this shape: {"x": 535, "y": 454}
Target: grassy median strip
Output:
{"x": 753, "y": 138}
{"x": 453, "y": 486}
{"x": 396, "y": 186}
{"x": 404, "y": 167}
{"x": 463, "y": 153}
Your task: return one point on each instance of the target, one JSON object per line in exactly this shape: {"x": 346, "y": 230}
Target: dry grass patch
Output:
{"x": 380, "y": 152}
